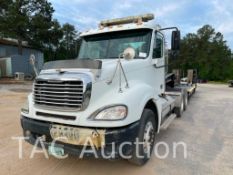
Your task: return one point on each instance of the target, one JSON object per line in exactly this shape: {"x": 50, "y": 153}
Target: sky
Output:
{"x": 187, "y": 15}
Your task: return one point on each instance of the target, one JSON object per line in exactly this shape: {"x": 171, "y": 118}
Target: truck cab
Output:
{"x": 115, "y": 92}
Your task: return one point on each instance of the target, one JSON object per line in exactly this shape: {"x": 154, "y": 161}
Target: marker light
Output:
{"x": 127, "y": 20}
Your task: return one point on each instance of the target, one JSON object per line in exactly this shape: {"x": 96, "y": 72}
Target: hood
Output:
{"x": 73, "y": 64}
{"x": 99, "y": 70}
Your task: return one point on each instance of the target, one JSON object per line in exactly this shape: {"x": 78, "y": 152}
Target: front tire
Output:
{"x": 146, "y": 134}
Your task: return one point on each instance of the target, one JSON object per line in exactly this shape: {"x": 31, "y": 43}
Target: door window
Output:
{"x": 158, "y": 47}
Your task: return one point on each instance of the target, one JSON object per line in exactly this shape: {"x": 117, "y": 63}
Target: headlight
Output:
{"x": 111, "y": 113}
{"x": 25, "y": 107}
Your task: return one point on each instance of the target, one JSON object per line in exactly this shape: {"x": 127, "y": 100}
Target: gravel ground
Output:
{"x": 206, "y": 128}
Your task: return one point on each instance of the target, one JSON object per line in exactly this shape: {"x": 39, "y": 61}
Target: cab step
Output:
{"x": 168, "y": 121}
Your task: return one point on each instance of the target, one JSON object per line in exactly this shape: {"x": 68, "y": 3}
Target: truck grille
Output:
{"x": 59, "y": 94}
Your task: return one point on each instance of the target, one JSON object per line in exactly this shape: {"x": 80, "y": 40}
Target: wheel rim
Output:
{"x": 148, "y": 138}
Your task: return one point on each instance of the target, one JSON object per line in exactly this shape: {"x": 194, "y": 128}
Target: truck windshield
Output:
{"x": 111, "y": 45}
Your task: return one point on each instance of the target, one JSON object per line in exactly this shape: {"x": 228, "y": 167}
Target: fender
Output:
{"x": 144, "y": 94}
{"x": 157, "y": 108}
{"x": 135, "y": 97}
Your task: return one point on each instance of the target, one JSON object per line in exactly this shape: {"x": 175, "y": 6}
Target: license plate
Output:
{"x": 56, "y": 151}
{"x": 78, "y": 136}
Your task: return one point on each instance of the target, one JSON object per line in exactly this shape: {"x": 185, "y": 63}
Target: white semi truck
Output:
{"x": 117, "y": 92}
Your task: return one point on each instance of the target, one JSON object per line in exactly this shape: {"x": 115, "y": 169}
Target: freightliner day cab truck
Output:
{"x": 117, "y": 92}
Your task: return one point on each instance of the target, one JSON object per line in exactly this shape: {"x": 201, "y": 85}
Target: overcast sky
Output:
{"x": 188, "y": 15}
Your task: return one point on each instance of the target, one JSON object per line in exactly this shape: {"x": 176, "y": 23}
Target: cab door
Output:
{"x": 158, "y": 50}
{"x": 158, "y": 60}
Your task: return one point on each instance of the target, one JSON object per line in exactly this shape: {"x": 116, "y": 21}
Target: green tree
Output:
{"x": 53, "y": 45}
{"x": 41, "y": 23}
{"x": 69, "y": 42}
{"x": 63, "y": 42}
{"x": 55, "y": 34}
{"x": 32, "y": 21}
{"x": 207, "y": 51}
{"x": 28, "y": 20}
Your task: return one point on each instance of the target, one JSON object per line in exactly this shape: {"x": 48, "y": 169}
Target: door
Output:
{"x": 158, "y": 50}
{"x": 158, "y": 60}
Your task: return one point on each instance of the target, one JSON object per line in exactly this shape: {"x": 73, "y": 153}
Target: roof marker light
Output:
{"x": 127, "y": 20}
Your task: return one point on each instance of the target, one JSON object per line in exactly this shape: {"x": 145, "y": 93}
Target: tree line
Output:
{"x": 207, "y": 51}
{"x": 32, "y": 21}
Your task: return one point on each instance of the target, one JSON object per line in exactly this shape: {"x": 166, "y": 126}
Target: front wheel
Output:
{"x": 146, "y": 138}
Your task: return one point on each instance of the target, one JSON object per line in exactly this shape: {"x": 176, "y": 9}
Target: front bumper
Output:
{"x": 115, "y": 136}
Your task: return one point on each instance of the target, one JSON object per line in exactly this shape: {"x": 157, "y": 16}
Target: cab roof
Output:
{"x": 121, "y": 24}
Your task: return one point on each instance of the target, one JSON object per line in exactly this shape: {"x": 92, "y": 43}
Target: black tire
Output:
{"x": 194, "y": 91}
{"x": 186, "y": 99}
{"x": 148, "y": 118}
{"x": 179, "y": 110}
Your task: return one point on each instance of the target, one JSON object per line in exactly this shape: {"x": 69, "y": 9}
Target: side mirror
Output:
{"x": 175, "y": 42}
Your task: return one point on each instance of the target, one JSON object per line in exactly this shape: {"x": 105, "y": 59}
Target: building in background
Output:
{"x": 11, "y": 62}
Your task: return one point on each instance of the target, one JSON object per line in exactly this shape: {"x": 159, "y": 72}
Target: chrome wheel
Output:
{"x": 148, "y": 138}
{"x": 146, "y": 135}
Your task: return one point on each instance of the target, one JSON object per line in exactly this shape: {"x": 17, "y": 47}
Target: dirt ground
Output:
{"x": 206, "y": 128}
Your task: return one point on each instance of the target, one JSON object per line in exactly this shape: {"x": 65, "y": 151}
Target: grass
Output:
{"x": 218, "y": 82}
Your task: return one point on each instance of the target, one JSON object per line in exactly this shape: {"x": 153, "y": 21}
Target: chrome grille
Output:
{"x": 59, "y": 94}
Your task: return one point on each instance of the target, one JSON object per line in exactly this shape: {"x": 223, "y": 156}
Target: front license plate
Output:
{"x": 78, "y": 136}
{"x": 56, "y": 151}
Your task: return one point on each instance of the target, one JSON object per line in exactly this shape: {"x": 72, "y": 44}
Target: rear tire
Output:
{"x": 194, "y": 91}
{"x": 186, "y": 99}
{"x": 179, "y": 110}
{"x": 146, "y": 134}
